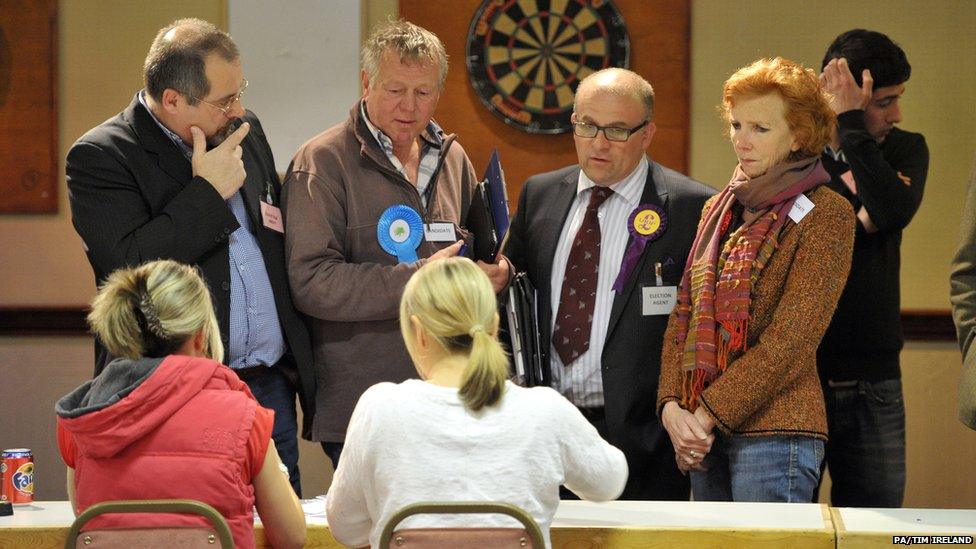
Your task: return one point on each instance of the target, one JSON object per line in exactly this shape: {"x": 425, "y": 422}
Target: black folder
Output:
{"x": 522, "y": 318}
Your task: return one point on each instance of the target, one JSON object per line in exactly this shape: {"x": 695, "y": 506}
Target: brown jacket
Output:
{"x": 338, "y": 185}
{"x": 773, "y": 388}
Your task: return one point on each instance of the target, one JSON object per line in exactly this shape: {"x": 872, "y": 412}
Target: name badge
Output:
{"x": 440, "y": 232}
{"x": 271, "y": 215}
{"x": 800, "y": 208}
{"x": 658, "y": 300}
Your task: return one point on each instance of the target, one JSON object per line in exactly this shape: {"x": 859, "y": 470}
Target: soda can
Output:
{"x": 17, "y": 472}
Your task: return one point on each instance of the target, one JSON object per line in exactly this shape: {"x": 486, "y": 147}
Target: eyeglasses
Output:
{"x": 589, "y": 131}
{"x": 229, "y": 104}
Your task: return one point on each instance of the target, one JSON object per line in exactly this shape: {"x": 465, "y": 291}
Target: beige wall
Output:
{"x": 940, "y": 100}
{"x": 102, "y": 44}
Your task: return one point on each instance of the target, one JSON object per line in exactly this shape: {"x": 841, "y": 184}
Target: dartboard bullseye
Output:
{"x": 526, "y": 57}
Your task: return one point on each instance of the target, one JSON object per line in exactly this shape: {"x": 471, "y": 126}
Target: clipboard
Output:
{"x": 488, "y": 217}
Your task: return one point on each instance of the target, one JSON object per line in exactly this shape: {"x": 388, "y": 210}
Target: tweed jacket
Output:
{"x": 773, "y": 387}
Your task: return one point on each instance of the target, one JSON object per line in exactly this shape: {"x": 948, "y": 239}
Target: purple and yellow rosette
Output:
{"x": 646, "y": 223}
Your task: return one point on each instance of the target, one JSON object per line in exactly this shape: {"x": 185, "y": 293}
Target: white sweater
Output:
{"x": 415, "y": 442}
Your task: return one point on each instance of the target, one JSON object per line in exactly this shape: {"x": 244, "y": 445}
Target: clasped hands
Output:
{"x": 691, "y": 435}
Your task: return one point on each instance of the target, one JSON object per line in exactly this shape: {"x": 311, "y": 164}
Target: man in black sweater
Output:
{"x": 881, "y": 170}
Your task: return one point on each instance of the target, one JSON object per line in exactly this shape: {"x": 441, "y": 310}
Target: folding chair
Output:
{"x": 151, "y": 537}
{"x": 462, "y": 538}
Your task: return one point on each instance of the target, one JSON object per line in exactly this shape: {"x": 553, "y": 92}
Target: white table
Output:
{"x": 577, "y": 525}
{"x": 859, "y": 527}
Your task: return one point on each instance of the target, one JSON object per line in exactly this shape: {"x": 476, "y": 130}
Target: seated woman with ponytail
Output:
{"x": 462, "y": 432}
{"x": 167, "y": 420}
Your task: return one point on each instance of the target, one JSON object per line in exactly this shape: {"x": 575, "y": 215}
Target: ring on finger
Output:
{"x": 693, "y": 454}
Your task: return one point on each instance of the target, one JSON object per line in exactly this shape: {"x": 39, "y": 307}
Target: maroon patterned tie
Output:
{"x": 571, "y": 330}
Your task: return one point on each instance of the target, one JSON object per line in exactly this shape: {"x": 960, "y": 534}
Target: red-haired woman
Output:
{"x": 739, "y": 393}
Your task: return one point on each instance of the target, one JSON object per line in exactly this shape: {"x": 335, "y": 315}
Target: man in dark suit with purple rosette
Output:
{"x": 604, "y": 243}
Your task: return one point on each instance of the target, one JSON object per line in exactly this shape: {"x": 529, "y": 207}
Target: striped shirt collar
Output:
{"x": 173, "y": 136}
{"x": 433, "y": 135}
{"x": 629, "y": 188}
{"x": 836, "y": 155}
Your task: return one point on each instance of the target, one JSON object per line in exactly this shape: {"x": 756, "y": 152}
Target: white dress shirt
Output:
{"x": 582, "y": 381}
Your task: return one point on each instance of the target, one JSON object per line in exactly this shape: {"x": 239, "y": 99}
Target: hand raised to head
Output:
{"x": 838, "y": 81}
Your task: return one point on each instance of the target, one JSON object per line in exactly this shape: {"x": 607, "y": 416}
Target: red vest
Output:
{"x": 197, "y": 452}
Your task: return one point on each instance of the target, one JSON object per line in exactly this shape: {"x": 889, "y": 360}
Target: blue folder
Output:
{"x": 488, "y": 218}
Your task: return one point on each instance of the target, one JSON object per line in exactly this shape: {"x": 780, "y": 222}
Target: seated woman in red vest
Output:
{"x": 167, "y": 420}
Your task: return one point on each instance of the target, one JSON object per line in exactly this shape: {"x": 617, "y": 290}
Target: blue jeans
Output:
{"x": 770, "y": 469}
{"x": 866, "y": 450}
{"x": 274, "y": 391}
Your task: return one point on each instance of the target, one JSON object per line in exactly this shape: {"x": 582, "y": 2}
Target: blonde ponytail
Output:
{"x": 452, "y": 298}
{"x": 152, "y": 310}
{"x": 484, "y": 377}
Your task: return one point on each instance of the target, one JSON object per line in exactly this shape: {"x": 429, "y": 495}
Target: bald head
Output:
{"x": 616, "y": 82}
{"x": 177, "y": 58}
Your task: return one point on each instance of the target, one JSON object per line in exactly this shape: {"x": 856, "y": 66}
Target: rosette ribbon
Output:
{"x": 646, "y": 223}
{"x": 399, "y": 231}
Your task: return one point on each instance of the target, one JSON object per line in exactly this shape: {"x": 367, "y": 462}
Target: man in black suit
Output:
{"x": 143, "y": 185}
{"x": 605, "y": 243}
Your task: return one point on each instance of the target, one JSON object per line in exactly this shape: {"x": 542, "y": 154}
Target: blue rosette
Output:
{"x": 399, "y": 231}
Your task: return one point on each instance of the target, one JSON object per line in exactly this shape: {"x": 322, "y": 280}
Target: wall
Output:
{"x": 102, "y": 44}
{"x": 301, "y": 59}
{"x": 658, "y": 50}
{"x": 939, "y": 100}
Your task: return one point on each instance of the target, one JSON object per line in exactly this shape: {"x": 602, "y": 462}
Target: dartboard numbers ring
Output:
{"x": 526, "y": 57}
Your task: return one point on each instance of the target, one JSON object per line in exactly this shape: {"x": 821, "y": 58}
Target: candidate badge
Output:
{"x": 646, "y": 223}
{"x": 399, "y": 231}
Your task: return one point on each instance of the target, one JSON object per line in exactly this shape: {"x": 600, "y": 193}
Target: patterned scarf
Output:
{"x": 717, "y": 284}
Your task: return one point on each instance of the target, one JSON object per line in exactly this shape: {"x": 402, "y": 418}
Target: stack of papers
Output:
{"x": 315, "y": 507}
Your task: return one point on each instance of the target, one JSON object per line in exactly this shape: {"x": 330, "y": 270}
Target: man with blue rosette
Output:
{"x": 605, "y": 242}
{"x": 367, "y": 202}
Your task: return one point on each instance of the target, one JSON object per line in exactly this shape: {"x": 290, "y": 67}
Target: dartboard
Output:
{"x": 526, "y": 57}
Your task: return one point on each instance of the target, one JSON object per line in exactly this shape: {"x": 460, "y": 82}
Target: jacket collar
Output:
{"x": 152, "y": 138}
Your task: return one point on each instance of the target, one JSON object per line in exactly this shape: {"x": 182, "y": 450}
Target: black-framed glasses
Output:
{"x": 229, "y": 104}
{"x": 612, "y": 133}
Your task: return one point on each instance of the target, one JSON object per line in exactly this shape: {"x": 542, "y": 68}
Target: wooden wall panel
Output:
{"x": 659, "y": 33}
{"x": 28, "y": 118}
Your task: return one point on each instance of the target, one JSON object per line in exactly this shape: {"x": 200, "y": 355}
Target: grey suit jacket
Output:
{"x": 963, "y": 297}
{"x": 632, "y": 352}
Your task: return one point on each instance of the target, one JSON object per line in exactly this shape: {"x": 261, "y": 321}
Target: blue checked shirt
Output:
{"x": 430, "y": 154}
{"x": 255, "y": 333}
